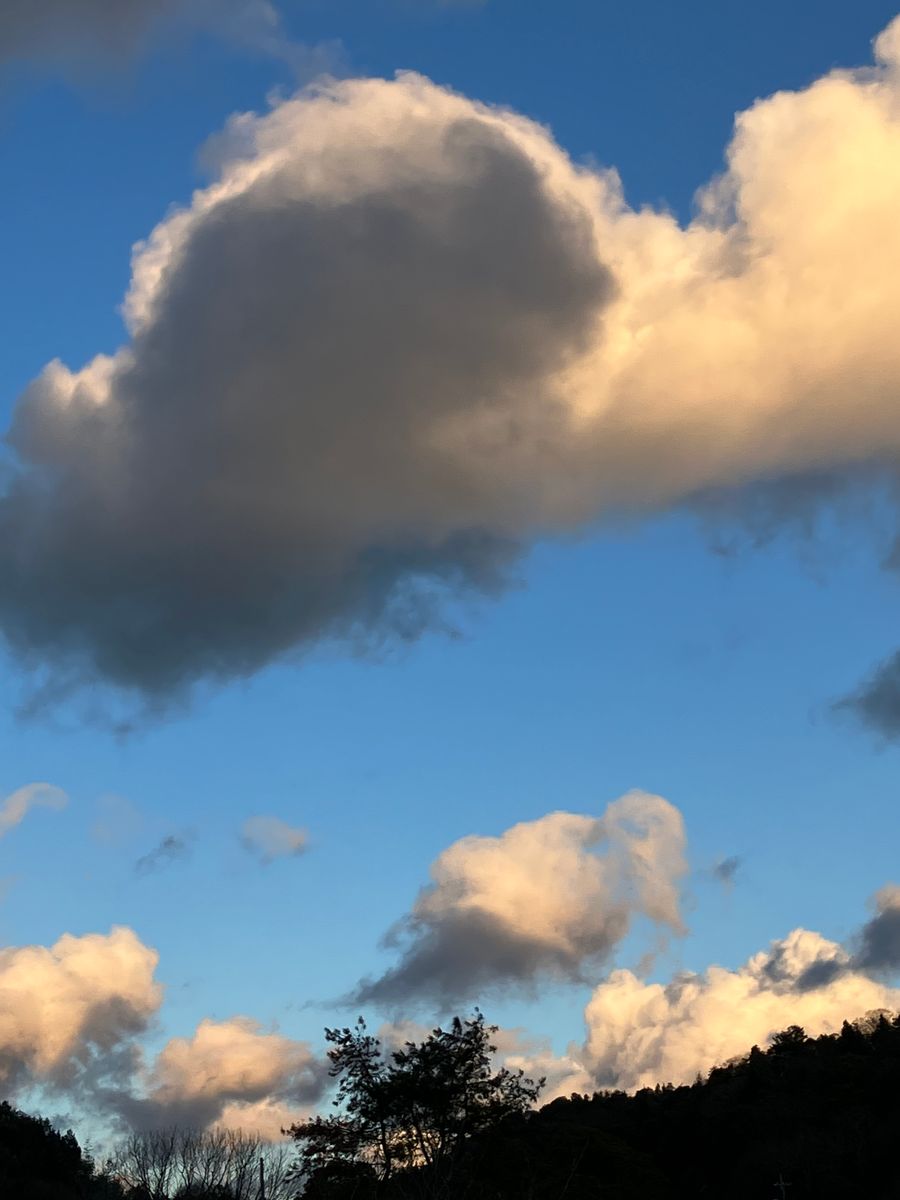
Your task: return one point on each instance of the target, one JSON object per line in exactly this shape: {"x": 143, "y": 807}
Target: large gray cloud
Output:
{"x": 402, "y": 335}
{"x": 268, "y": 462}
{"x": 550, "y": 898}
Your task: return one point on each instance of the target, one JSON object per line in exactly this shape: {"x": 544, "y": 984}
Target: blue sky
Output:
{"x": 630, "y": 655}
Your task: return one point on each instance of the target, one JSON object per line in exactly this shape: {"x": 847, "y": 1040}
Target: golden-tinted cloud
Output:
{"x": 403, "y": 334}
{"x": 550, "y": 898}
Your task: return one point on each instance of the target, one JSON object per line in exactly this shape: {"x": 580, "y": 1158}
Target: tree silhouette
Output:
{"x": 39, "y": 1163}
{"x": 411, "y": 1111}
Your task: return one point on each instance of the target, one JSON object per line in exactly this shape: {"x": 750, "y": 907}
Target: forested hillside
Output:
{"x": 805, "y": 1119}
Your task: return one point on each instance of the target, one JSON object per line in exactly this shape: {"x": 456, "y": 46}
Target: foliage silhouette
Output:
{"x": 435, "y": 1121}
{"x": 820, "y": 1113}
{"x": 39, "y": 1163}
{"x": 408, "y": 1113}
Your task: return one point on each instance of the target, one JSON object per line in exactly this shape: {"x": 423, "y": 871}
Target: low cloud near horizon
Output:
{"x": 72, "y": 1018}
{"x": 402, "y": 335}
{"x": 75, "y": 1014}
{"x": 640, "y": 1034}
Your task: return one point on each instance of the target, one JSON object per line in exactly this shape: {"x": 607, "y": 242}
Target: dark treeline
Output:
{"x": 822, "y": 1115}
{"x": 435, "y": 1119}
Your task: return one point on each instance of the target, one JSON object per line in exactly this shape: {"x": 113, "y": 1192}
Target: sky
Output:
{"x": 447, "y": 538}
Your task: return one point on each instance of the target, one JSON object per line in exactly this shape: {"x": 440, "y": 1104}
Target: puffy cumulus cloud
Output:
{"x": 640, "y": 1034}
{"x": 402, "y": 334}
{"x": 63, "y": 30}
{"x": 66, "y": 1006}
{"x": 71, "y": 1020}
{"x": 232, "y": 1072}
{"x": 563, "y": 1075}
{"x": 18, "y": 804}
{"x": 549, "y": 897}
{"x": 339, "y": 388}
{"x": 268, "y": 838}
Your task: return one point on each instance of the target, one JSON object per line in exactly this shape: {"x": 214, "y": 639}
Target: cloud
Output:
{"x": 562, "y": 1074}
{"x": 402, "y": 335}
{"x": 265, "y": 1119}
{"x": 877, "y": 945}
{"x": 63, "y": 31}
{"x": 71, "y": 1018}
{"x": 18, "y": 804}
{"x": 271, "y": 488}
{"x": 172, "y": 848}
{"x": 547, "y": 898}
{"x": 640, "y": 1033}
{"x": 232, "y": 1072}
{"x": 118, "y": 820}
{"x": 726, "y": 869}
{"x": 876, "y": 702}
{"x": 269, "y": 838}
{"x": 71, "y": 1003}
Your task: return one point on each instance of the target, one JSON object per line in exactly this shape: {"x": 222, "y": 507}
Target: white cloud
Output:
{"x": 550, "y": 897}
{"x": 265, "y": 1119}
{"x": 232, "y": 1073}
{"x": 269, "y": 838}
{"x": 640, "y": 1034}
{"x": 64, "y": 1004}
{"x": 562, "y": 1074}
{"x": 18, "y": 804}
{"x": 71, "y": 1020}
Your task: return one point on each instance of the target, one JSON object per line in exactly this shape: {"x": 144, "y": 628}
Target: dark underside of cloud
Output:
{"x": 401, "y": 336}
{"x": 463, "y": 955}
{"x": 876, "y": 702}
{"x": 263, "y": 471}
{"x": 876, "y": 948}
{"x": 873, "y": 950}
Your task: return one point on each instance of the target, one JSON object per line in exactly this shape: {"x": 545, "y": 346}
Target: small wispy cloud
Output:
{"x": 726, "y": 869}
{"x": 67, "y": 33}
{"x": 269, "y": 838}
{"x": 173, "y": 848}
{"x": 18, "y": 804}
{"x": 118, "y": 820}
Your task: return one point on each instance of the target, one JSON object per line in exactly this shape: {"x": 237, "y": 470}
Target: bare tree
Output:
{"x": 190, "y": 1164}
